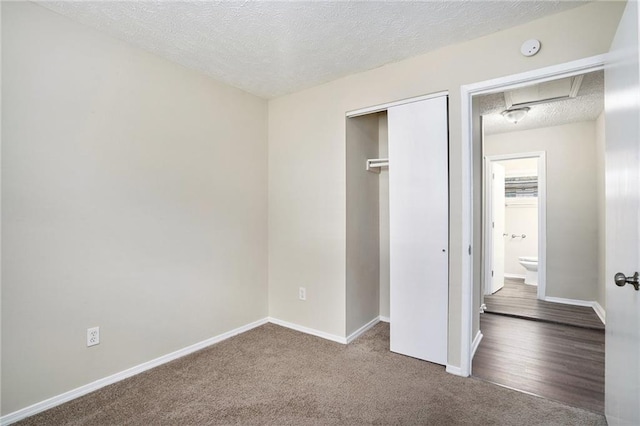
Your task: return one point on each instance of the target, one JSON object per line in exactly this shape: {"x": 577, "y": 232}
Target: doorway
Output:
{"x": 471, "y": 164}
{"x": 622, "y": 150}
{"x": 528, "y": 301}
{"x": 514, "y": 221}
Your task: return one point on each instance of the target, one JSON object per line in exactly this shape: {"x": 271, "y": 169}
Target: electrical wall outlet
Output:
{"x": 302, "y": 293}
{"x": 93, "y": 336}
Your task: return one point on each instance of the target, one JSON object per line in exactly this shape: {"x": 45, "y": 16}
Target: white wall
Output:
{"x": 478, "y": 238}
{"x": 520, "y": 219}
{"x": 363, "y": 225}
{"x": 572, "y": 222}
{"x": 307, "y": 174}
{"x": 134, "y": 198}
{"x": 520, "y": 167}
{"x": 600, "y": 186}
{"x": 1, "y": 133}
{"x": 134, "y": 192}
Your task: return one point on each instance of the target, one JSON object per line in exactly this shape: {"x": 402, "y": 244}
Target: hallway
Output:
{"x": 517, "y": 299}
{"x": 558, "y": 362}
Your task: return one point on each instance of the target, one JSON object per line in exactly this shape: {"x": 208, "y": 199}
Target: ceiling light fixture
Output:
{"x": 515, "y": 115}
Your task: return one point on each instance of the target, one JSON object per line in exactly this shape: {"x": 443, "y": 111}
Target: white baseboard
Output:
{"x": 456, "y": 371}
{"x": 308, "y": 330}
{"x": 353, "y": 336}
{"x": 515, "y": 276}
{"x": 598, "y": 309}
{"x": 600, "y": 312}
{"x": 385, "y": 319}
{"x": 575, "y": 302}
{"x": 100, "y": 383}
{"x": 476, "y": 343}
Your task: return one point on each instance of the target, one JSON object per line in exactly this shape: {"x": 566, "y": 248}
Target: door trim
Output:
{"x": 386, "y": 106}
{"x": 568, "y": 69}
{"x": 541, "y": 156}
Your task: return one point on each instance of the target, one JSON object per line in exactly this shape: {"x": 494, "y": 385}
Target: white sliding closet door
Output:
{"x": 419, "y": 228}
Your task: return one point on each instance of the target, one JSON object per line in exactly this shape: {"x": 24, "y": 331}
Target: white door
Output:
{"x": 497, "y": 223}
{"x": 622, "y": 105}
{"x": 419, "y": 228}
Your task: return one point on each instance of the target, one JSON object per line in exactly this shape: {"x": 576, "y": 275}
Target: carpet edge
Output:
{"x": 54, "y": 401}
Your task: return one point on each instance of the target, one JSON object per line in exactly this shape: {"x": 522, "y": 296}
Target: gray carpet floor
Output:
{"x": 273, "y": 375}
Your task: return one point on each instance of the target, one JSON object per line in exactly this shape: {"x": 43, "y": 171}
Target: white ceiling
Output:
{"x": 273, "y": 48}
{"x": 586, "y": 106}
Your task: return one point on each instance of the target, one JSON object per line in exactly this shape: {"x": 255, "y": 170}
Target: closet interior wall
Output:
{"x": 383, "y": 207}
{"x": 367, "y": 251}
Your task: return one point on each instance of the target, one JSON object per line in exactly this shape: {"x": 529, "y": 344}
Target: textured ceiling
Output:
{"x": 586, "y": 106}
{"x": 274, "y": 48}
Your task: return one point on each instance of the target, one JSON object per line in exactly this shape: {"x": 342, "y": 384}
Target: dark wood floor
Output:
{"x": 558, "y": 362}
{"x": 520, "y": 300}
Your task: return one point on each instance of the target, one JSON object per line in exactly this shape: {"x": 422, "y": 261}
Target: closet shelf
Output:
{"x": 374, "y": 164}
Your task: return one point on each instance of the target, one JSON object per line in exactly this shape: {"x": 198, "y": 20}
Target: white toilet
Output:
{"x": 530, "y": 263}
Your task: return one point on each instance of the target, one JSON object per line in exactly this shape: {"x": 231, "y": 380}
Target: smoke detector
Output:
{"x": 530, "y": 47}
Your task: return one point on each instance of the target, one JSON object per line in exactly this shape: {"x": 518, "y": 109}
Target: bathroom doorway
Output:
{"x": 515, "y": 222}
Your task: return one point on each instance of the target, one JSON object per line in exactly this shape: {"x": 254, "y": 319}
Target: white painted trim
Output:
{"x": 598, "y": 309}
{"x": 602, "y": 314}
{"x": 384, "y": 107}
{"x": 114, "y": 378}
{"x": 353, "y": 336}
{"x": 522, "y": 173}
{"x": 542, "y": 225}
{"x": 476, "y": 343}
{"x": 573, "y": 302}
{"x": 522, "y": 202}
{"x": 457, "y": 371}
{"x": 515, "y": 156}
{"x": 515, "y": 276}
{"x": 467, "y": 91}
{"x": 466, "y": 249}
{"x": 540, "y": 75}
{"x": 307, "y": 330}
{"x": 100, "y": 383}
{"x": 385, "y": 319}
{"x": 328, "y": 336}
{"x": 487, "y": 214}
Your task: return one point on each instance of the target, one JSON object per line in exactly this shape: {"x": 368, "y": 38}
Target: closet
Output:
{"x": 398, "y": 223}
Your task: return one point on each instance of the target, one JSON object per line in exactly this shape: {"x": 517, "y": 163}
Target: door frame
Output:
{"x": 568, "y": 69}
{"x": 541, "y": 156}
